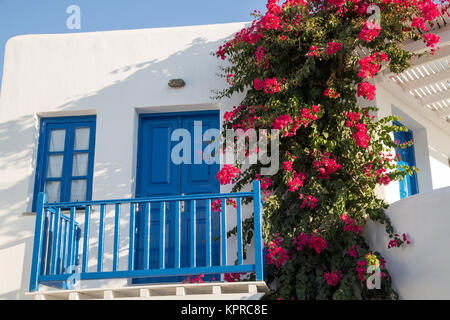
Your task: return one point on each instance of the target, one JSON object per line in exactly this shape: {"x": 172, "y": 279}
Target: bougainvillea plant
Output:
{"x": 303, "y": 66}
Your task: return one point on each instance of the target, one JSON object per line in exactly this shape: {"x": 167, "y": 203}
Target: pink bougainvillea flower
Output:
{"x": 331, "y": 93}
{"x": 369, "y": 31}
{"x": 271, "y": 86}
{"x": 276, "y": 254}
{"x": 227, "y": 173}
{"x": 419, "y": 24}
{"x": 313, "y": 51}
{"x": 431, "y": 39}
{"x": 233, "y": 277}
{"x": 333, "y": 47}
{"x": 366, "y": 90}
{"x": 333, "y": 278}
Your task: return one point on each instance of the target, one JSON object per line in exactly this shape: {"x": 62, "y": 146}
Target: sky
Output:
{"x": 19, "y": 17}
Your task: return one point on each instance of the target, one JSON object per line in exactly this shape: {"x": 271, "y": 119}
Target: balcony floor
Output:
{"x": 247, "y": 290}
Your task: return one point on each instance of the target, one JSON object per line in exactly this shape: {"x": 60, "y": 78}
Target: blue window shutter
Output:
{"x": 408, "y": 185}
{"x": 57, "y": 153}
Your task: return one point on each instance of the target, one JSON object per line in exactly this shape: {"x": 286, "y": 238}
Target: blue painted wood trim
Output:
{"x": 206, "y": 196}
{"x": 208, "y": 233}
{"x": 239, "y": 230}
{"x": 223, "y": 235}
{"x": 87, "y": 224}
{"x": 150, "y": 273}
{"x": 55, "y": 249}
{"x": 257, "y": 211}
{"x": 37, "y": 246}
{"x": 193, "y": 235}
{"x": 177, "y": 235}
{"x": 101, "y": 238}
{"x": 147, "y": 208}
{"x": 116, "y": 237}
{"x": 132, "y": 236}
{"x": 162, "y": 236}
{"x": 51, "y": 234}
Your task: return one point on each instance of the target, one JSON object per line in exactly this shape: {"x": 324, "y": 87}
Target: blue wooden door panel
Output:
{"x": 196, "y": 179}
{"x": 157, "y": 175}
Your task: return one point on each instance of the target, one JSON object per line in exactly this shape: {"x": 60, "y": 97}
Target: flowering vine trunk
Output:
{"x": 302, "y": 66}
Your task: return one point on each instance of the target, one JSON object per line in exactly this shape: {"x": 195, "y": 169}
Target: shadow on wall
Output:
{"x": 16, "y": 231}
{"x": 138, "y": 84}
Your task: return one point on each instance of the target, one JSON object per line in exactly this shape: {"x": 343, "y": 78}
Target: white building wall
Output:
{"x": 431, "y": 138}
{"x": 419, "y": 270}
{"x": 115, "y": 75}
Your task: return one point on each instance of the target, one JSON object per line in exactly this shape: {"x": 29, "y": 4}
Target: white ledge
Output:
{"x": 245, "y": 290}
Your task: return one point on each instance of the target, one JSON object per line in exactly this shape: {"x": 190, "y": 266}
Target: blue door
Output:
{"x": 157, "y": 175}
{"x": 408, "y": 185}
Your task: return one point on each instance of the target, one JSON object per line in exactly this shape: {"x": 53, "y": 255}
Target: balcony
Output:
{"x": 165, "y": 241}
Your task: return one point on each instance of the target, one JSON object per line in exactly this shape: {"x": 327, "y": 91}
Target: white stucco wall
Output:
{"x": 418, "y": 270}
{"x": 431, "y": 138}
{"x": 115, "y": 75}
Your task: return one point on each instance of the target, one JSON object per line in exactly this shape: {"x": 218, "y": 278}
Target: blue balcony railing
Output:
{"x": 59, "y": 238}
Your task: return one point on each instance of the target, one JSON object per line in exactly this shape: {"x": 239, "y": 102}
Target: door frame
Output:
{"x": 140, "y": 153}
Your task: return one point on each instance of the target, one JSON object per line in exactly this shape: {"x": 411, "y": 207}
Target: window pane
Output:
{"x": 81, "y": 139}
{"x": 57, "y": 138}
{"x": 55, "y": 164}
{"x": 53, "y": 191}
{"x": 78, "y": 190}
{"x": 80, "y": 164}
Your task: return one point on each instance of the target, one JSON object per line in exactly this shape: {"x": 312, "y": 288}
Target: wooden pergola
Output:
{"x": 428, "y": 79}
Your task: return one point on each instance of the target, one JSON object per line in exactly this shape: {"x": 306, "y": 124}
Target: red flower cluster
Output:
{"x": 317, "y": 243}
{"x": 287, "y": 165}
{"x": 333, "y": 47}
{"x": 297, "y": 181}
{"x": 265, "y": 182}
{"x": 360, "y": 135}
{"x": 333, "y": 278}
{"x": 289, "y": 127}
{"x": 269, "y": 86}
{"x": 369, "y": 32}
{"x": 271, "y": 20}
{"x": 197, "y": 279}
{"x": 419, "y": 24}
{"x": 308, "y": 115}
{"x": 233, "y": 277}
{"x": 227, "y": 173}
{"x": 282, "y": 122}
{"x": 230, "y": 79}
{"x": 361, "y": 269}
{"x": 396, "y": 242}
{"x": 276, "y": 254}
{"x": 431, "y": 39}
{"x": 366, "y": 90}
{"x": 260, "y": 56}
{"x": 326, "y": 166}
{"x": 370, "y": 65}
{"x": 353, "y": 251}
{"x": 216, "y": 205}
{"x": 350, "y": 224}
{"x": 331, "y": 93}
{"x": 308, "y": 201}
{"x": 313, "y": 51}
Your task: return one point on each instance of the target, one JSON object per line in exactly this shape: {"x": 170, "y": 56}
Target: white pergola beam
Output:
{"x": 424, "y": 81}
{"x": 437, "y": 97}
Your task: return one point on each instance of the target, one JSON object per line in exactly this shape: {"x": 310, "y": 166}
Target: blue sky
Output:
{"x": 49, "y": 16}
